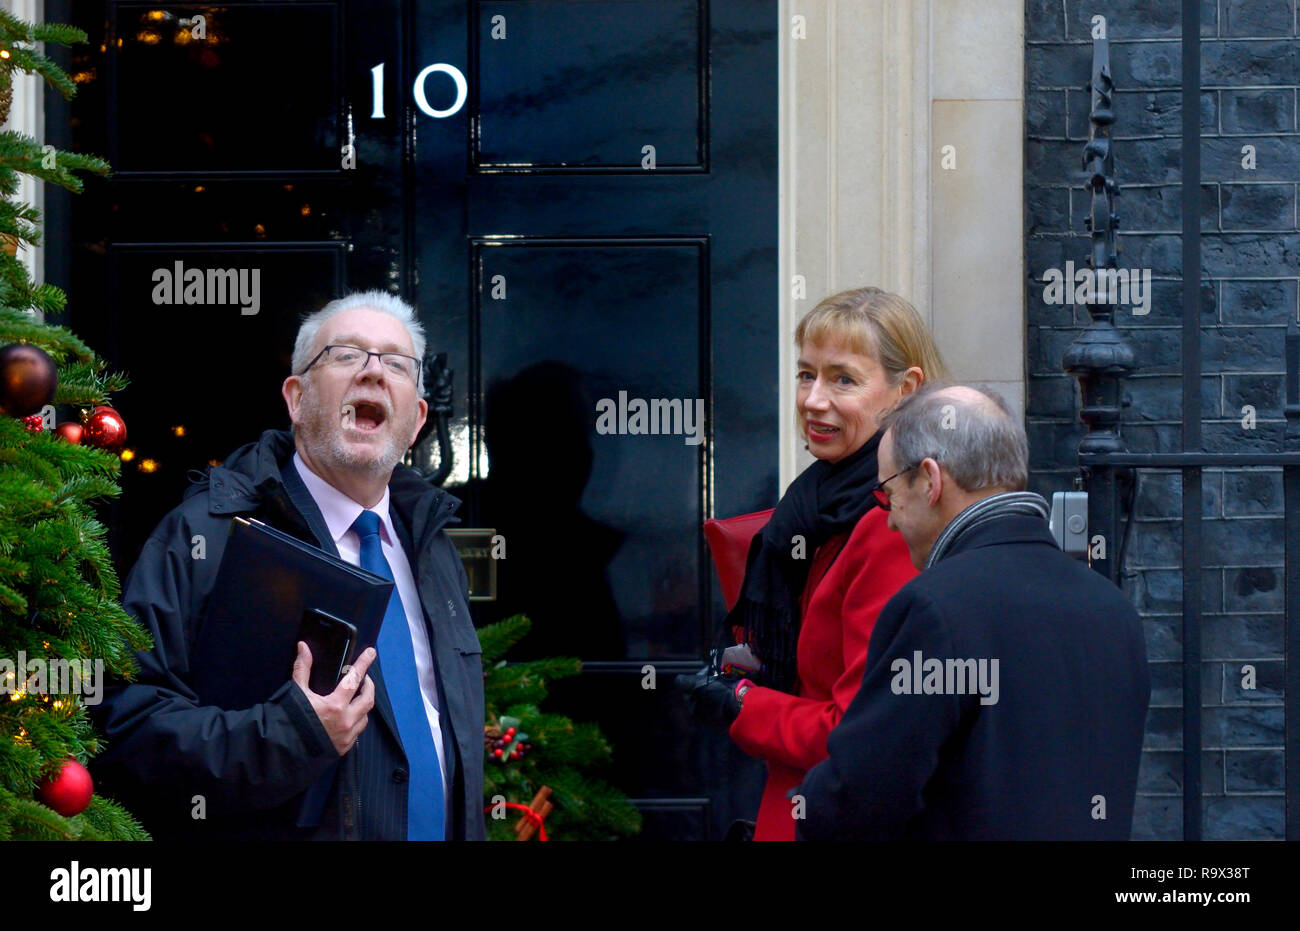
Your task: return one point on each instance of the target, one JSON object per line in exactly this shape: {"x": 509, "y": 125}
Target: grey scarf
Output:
{"x": 983, "y": 511}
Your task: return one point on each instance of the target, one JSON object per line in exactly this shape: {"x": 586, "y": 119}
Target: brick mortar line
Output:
{"x": 1166, "y": 89}
{"x": 1138, "y": 186}
{"x": 1257, "y": 229}
{"x": 1275, "y": 793}
{"x": 1149, "y": 137}
{"x": 1264, "y": 749}
{"x": 1159, "y": 40}
{"x": 1221, "y": 662}
{"x": 1272, "y": 704}
{"x": 1179, "y": 520}
{"x": 1159, "y": 615}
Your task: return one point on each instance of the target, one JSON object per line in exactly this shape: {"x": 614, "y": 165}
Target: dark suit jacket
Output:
{"x": 1055, "y": 757}
{"x": 254, "y": 766}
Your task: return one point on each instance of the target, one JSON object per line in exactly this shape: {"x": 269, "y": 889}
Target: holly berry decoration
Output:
{"x": 105, "y": 429}
{"x": 70, "y": 431}
{"x": 507, "y": 745}
{"x": 69, "y": 791}
{"x": 28, "y": 379}
{"x": 34, "y": 423}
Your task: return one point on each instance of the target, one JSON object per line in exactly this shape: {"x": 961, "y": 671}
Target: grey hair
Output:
{"x": 380, "y": 301}
{"x": 981, "y": 445}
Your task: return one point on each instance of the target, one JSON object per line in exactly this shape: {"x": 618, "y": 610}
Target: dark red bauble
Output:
{"x": 27, "y": 379}
{"x": 69, "y": 431}
{"x": 69, "y": 792}
{"x": 105, "y": 429}
{"x": 34, "y": 423}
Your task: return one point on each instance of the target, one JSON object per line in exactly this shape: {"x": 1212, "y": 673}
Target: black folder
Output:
{"x": 247, "y": 641}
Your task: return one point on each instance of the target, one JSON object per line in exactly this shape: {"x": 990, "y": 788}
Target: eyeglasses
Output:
{"x": 353, "y": 359}
{"x": 882, "y": 498}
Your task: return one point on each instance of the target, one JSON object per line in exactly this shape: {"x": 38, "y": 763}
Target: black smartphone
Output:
{"x": 330, "y": 640}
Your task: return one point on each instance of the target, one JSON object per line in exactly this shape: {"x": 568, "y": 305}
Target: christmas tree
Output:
{"x": 530, "y": 751}
{"x": 62, "y": 628}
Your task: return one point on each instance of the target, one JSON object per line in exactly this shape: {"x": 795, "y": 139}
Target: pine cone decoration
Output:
{"x": 6, "y": 94}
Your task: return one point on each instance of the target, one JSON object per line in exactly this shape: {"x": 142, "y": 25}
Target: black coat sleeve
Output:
{"x": 887, "y": 745}
{"x": 162, "y": 738}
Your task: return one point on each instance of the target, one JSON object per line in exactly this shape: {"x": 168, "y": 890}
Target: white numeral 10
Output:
{"x": 462, "y": 90}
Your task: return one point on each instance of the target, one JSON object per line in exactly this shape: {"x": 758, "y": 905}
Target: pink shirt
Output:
{"x": 340, "y": 512}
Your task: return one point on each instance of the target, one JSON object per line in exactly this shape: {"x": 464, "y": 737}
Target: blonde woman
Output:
{"x": 808, "y": 620}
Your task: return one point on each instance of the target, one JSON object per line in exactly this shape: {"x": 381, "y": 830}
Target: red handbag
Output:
{"x": 729, "y": 540}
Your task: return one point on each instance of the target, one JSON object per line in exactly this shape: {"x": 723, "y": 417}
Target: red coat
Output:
{"x": 840, "y": 603}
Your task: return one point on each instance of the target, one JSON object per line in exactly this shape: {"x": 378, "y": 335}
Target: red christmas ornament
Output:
{"x": 27, "y": 379}
{"x": 69, "y": 431}
{"x": 69, "y": 792}
{"x": 34, "y": 423}
{"x": 105, "y": 429}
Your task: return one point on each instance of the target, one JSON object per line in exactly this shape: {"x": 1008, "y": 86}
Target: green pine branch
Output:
{"x": 26, "y": 819}
{"x": 61, "y": 343}
{"x": 59, "y": 592}
{"x": 20, "y": 221}
{"x": 22, "y": 153}
{"x": 496, "y": 639}
{"x": 564, "y": 753}
{"x": 20, "y": 37}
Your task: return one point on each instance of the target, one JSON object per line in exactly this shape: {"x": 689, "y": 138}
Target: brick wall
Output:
{"x": 1250, "y": 289}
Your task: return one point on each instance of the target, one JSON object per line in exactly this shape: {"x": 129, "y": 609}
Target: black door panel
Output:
{"x": 559, "y": 269}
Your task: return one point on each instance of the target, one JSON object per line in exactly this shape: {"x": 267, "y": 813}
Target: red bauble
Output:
{"x": 69, "y": 792}
{"x": 27, "y": 379}
{"x": 69, "y": 431}
{"x": 105, "y": 429}
{"x": 34, "y": 423}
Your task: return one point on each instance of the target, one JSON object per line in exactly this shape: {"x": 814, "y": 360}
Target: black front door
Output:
{"x": 579, "y": 197}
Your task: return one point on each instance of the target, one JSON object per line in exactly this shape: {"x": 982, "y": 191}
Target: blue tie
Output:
{"x": 425, "y": 815}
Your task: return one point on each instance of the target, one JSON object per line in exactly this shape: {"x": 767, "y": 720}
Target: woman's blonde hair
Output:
{"x": 875, "y": 323}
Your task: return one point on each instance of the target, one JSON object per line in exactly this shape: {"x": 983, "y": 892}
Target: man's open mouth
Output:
{"x": 365, "y": 416}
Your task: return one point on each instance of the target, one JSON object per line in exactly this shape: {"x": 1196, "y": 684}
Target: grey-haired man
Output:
{"x": 355, "y": 400}
{"x": 1006, "y": 687}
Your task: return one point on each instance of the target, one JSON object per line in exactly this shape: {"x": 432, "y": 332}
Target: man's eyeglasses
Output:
{"x": 353, "y": 359}
{"x": 882, "y": 497}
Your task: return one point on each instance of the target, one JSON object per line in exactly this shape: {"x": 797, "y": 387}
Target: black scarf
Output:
{"x": 825, "y": 500}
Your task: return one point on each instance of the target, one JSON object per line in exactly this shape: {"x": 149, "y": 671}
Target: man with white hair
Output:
{"x": 298, "y": 765}
{"x": 1006, "y": 688}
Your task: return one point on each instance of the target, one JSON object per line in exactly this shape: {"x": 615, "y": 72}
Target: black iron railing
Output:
{"x": 1101, "y": 358}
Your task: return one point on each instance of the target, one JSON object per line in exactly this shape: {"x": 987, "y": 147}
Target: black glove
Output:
{"x": 711, "y": 698}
